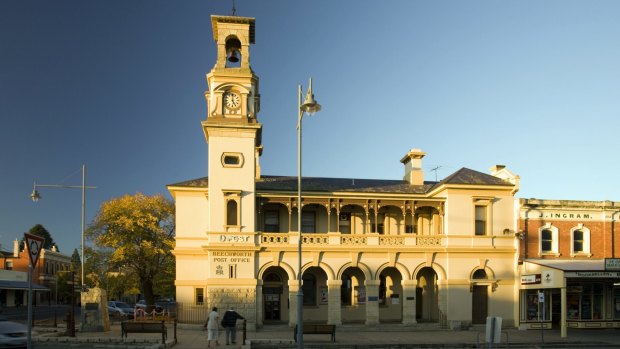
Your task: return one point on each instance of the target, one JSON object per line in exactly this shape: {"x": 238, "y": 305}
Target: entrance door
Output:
{"x": 479, "y": 306}
{"x": 272, "y": 303}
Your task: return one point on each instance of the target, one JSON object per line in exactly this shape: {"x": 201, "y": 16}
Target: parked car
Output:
{"x": 120, "y": 309}
{"x": 12, "y": 334}
{"x": 141, "y": 304}
{"x": 165, "y": 304}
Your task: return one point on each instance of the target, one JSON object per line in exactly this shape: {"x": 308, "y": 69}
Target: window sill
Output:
{"x": 552, "y": 254}
{"x": 581, "y": 254}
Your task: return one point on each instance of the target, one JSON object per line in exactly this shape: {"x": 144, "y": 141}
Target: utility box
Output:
{"x": 494, "y": 329}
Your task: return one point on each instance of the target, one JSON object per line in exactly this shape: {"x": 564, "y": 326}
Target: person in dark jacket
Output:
{"x": 229, "y": 322}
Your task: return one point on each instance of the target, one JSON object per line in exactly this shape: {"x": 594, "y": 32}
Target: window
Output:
{"x": 309, "y": 289}
{"x": 546, "y": 240}
{"x": 272, "y": 221}
{"x": 548, "y": 236}
{"x": 9, "y": 265}
{"x": 580, "y": 237}
{"x": 577, "y": 241}
{"x": 200, "y": 296}
{"x": 378, "y": 228}
{"x": 481, "y": 220}
{"x": 345, "y": 222}
{"x": 232, "y": 159}
{"x": 231, "y": 212}
{"x": 308, "y": 220}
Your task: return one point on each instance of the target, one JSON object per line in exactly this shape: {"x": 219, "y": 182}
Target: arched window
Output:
{"x": 480, "y": 274}
{"x": 580, "y": 240}
{"x": 231, "y": 212}
{"x": 548, "y": 236}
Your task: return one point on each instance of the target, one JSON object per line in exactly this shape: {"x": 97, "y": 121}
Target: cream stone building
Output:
{"x": 374, "y": 251}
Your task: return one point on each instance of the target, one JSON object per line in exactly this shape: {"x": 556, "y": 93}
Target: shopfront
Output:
{"x": 569, "y": 294}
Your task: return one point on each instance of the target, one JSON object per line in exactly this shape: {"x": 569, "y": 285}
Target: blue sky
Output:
{"x": 119, "y": 85}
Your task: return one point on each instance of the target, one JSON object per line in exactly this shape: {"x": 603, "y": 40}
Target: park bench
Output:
{"x": 317, "y": 329}
{"x": 144, "y": 327}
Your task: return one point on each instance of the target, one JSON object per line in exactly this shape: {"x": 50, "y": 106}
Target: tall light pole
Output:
{"x": 309, "y": 106}
{"x": 36, "y": 197}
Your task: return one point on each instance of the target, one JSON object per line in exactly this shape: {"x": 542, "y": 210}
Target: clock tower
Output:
{"x": 231, "y": 128}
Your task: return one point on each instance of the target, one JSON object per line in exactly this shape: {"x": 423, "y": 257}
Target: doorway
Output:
{"x": 479, "y": 306}
{"x": 272, "y": 303}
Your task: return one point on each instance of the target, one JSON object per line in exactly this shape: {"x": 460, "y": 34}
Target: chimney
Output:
{"x": 496, "y": 168}
{"x": 16, "y": 248}
{"x": 413, "y": 167}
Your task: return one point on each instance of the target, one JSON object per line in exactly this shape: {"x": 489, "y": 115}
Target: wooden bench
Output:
{"x": 144, "y": 327}
{"x": 317, "y": 329}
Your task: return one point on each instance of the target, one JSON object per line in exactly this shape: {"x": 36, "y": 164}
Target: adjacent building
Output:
{"x": 569, "y": 264}
{"x": 374, "y": 251}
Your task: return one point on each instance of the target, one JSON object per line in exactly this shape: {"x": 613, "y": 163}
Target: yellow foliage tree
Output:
{"x": 139, "y": 231}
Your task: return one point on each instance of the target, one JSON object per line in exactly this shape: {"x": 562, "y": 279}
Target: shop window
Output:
{"x": 533, "y": 309}
{"x": 580, "y": 238}
{"x": 309, "y": 289}
{"x": 585, "y": 301}
{"x": 200, "y": 296}
{"x": 272, "y": 221}
{"x": 308, "y": 222}
{"x": 549, "y": 240}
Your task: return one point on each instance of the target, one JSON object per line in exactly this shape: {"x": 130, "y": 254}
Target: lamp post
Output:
{"x": 309, "y": 106}
{"x": 36, "y": 197}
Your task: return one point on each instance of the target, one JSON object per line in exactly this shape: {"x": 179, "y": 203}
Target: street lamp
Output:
{"x": 36, "y": 197}
{"x": 309, "y": 106}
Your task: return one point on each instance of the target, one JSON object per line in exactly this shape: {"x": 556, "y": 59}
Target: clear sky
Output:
{"x": 119, "y": 85}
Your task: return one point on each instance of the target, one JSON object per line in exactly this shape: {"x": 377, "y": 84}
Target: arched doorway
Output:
{"x": 314, "y": 287}
{"x": 390, "y": 296}
{"x": 427, "y": 301}
{"x": 479, "y": 299}
{"x": 275, "y": 295}
{"x": 353, "y": 296}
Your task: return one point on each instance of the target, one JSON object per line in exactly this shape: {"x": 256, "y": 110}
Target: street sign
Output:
{"x": 34, "y": 245}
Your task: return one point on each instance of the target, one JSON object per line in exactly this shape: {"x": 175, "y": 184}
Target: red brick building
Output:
{"x": 14, "y": 287}
{"x": 569, "y": 264}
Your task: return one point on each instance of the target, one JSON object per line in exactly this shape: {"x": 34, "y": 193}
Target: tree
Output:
{"x": 39, "y": 230}
{"x": 138, "y": 232}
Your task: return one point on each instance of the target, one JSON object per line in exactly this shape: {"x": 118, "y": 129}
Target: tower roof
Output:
{"x": 233, "y": 19}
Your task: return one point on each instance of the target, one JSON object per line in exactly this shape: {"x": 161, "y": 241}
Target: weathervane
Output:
{"x": 234, "y": 10}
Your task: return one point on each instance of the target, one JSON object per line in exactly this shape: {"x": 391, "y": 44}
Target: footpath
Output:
{"x": 347, "y": 337}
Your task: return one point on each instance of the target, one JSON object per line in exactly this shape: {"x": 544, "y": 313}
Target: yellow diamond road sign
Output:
{"x": 34, "y": 246}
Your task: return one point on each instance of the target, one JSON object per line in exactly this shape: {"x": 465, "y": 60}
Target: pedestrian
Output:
{"x": 212, "y": 327}
{"x": 229, "y": 322}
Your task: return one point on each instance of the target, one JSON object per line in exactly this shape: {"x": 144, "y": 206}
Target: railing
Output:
{"x": 429, "y": 241}
{"x": 192, "y": 314}
{"x": 315, "y": 239}
{"x": 353, "y": 240}
{"x": 274, "y": 239}
{"x": 391, "y": 240}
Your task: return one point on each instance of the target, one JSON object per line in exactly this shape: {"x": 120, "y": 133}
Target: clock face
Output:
{"x": 232, "y": 100}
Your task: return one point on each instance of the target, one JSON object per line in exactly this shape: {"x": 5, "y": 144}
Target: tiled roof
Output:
{"x": 323, "y": 184}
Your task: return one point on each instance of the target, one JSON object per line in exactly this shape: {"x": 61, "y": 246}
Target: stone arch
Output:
{"x": 490, "y": 275}
{"x": 363, "y": 267}
{"x": 399, "y": 266}
{"x": 326, "y": 268}
{"x": 289, "y": 271}
{"x": 441, "y": 272}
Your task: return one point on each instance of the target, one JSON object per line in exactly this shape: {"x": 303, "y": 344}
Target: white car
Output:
{"x": 12, "y": 334}
{"x": 120, "y": 308}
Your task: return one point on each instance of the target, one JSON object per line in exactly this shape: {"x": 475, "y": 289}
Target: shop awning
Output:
{"x": 20, "y": 285}
{"x": 571, "y": 265}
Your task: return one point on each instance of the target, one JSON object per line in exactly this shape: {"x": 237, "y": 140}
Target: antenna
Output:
{"x": 234, "y": 10}
{"x": 435, "y": 170}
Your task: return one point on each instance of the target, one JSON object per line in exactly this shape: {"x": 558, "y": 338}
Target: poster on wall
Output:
{"x": 323, "y": 293}
{"x": 395, "y": 298}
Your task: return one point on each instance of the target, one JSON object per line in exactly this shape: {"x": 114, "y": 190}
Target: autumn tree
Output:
{"x": 138, "y": 233}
